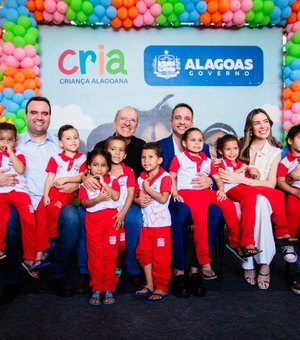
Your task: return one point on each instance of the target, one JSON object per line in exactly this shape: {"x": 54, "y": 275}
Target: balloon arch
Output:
{"x": 20, "y": 51}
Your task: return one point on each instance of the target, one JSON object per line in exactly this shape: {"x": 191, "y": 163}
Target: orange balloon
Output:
{"x": 296, "y": 7}
{"x": 128, "y": 3}
{"x": 292, "y": 18}
{"x": 1, "y": 108}
{"x": 224, "y": 6}
{"x": 28, "y": 73}
{"x": 19, "y": 77}
{"x": 37, "y": 92}
{"x": 10, "y": 71}
{"x": 286, "y": 93}
{"x": 30, "y": 5}
{"x": 132, "y": 12}
{"x": 19, "y": 87}
{"x": 39, "y": 4}
{"x": 296, "y": 85}
{"x": 8, "y": 82}
{"x": 122, "y": 13}
{"x": 212, "y": 6}
{"x": 37, "y": 81}
{"x": 205, "y": 18}
{"x": 216, "y": 18}
{"x": 127, "y": 23}
{"x": 117, "y": 3}
{"x": 287, "y": 104}
{"x": 295, "y": 97}
{"x": 116, "y": 22}
{"x": 29, "y": 84}
{"x": 38, "y": 16}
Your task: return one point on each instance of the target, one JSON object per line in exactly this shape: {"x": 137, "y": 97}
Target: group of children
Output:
{"x": 106, "y": 207}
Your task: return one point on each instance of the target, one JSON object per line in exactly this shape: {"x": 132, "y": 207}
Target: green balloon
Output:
{"x": 268, "y": 7}
{"x": 288, "y": 60}
{"x": 10, "y": 116}
{"x": 24, "y": 21}
{"x": 258, "y": 18}
{"x": 178, "y": 8}
{"x": 8, "y": 36}
{"x": 289, "y": 45}
{"x": 176, "y": 23}
{"x": 21, "y": 114}
{"x": 19, "y": 30}
{"x": 173, "y": 2}
{"x": 167, "y": 9}
{"x": 71, "y": 14}
{"x": 29, "y": 39}
{"x": 257, "y": 6}
{"x": 296, "y": 38}
{"x": 249, "y": 16}
{"x": 19, "y": 41}
{"x": 81, "y": 17}
{"x": 295, "y": 51}
{"x": 67, "y": 2}
{"x": 161, "y": 2}
{"x": 172, "y": 17}
{"x": 19, "y": 124}
{"x": 8, "y": 26}
{"x": 161, "y": 20}
{"x": 23, "y": 130}
{"x": 76, "y": 5}
{"x": 87, "y": 8}
{"x": 266, "y": 20}
{"x": 1, "y": 74}
{"x": 34, "y": 31}
{"x": 37, "y": 48}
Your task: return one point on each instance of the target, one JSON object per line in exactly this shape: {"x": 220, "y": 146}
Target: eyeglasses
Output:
{"x": 127, "y": 119}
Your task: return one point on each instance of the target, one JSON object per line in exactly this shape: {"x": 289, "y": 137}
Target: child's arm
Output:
{"x": 18, "y": 165}
{"x": 242, "y": 168}
{"x": 176, "y": 196}
{"x": 284, "y": 186}
{"x": 114, "y": 194}
{"x": 221, "y": 195}
{"x": 47, "y": 187}
{"x": 103, "y": 196}
{"x": 120, "y": 217}
{"x": 142, "y": 199}
{"x": 72, "y": 179}
{"x": 160, "y": 197}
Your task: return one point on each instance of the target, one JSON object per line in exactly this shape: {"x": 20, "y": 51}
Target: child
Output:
{"x": 66, "y": 167}
{"x": 286, "y": 166}
{"x": 18, "y": 196}
{"x": 101, "y": 234}
{"x": 246, "y": 195}
{"x": 154, "y": 247}
{"x": 116, "y": 146}
{"x": 185, "y": 167}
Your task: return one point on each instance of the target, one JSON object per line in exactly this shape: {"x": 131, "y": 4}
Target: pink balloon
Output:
{"x": 287, "y": 125}
{"x": 138, "y": 21}
{"x": 296, "y": 26}
{"x": 149, "y": 3}
{"x": 36, "y": 60}
{"x": 19, "y": 53}
{"x": 295, "y": 108}
{"x": 36, "y": 70}
{"x": 226, "y": 17}
{"x": 290, "y": 35}
{"x": 141, "y": 6}
{"x": 239, "y": 17}
{"x": 1, "y": 49}
{"x": 58, "y": 18}
{"x": 30, "y": 51}
{"x": 27, "y": 62}
{"x": 50, "y": 6}
{"x": 235, "y": 5}
{"x": 295, "y": 119}
{"x": 155, "y": 10}
{"x": 298, "y": 16}
{"x": 246, "y": 5}
{"x": 8, "y": 48}
{"x": 48, "y": 16}
{"x": 148, "y": 18}
{"x": 12, "y": 61}
{"x": 61, "y": 7}
{"x": 289, "y": 28}
{"x": 287, "y": 114}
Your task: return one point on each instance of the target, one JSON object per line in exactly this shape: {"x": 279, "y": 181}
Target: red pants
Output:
{"x": 22, "y": 203}
{"x": 292, "y": 207}
{"x": 198, "y": 202}
{"x": 47, "y": 217}
{"x": 121, "y": 247}
{"x": 102, "y": 249}
{"x": 246, "y": 196}
{"x": 155, "y": 247}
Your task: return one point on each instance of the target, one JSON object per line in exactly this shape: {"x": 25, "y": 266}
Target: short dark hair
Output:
{"x": 155, "y": 147}
{"x": 64, "y": 128}
{"x": 182, "y": 105}
{"x": 189, "y": 131}
{"x": 8, "y": 127}
{"x": 221, "y": 142}
{"x": 95, "y": 152}
{"x": 113, "y": 138}
{"x": 38, "y": 99}
{"x": 294, "y": 130}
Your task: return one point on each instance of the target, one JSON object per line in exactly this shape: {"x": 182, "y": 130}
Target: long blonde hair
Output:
{"x": 246, "y": 141}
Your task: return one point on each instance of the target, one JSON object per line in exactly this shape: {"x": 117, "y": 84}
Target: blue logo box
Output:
{"x": 203, "y": 65}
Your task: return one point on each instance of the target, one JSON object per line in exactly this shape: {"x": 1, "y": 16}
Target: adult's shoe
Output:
{"x": 61, "y": 287}
{"x": 9, "y": 293}
{"x": 83, "y": 285}
{"x": 196, "y": 286}
{"x": 289, "y": 254}
{"x": 179, "y": 286}
{"x": 296, "y": 284}
{"x": 137, "y": 280}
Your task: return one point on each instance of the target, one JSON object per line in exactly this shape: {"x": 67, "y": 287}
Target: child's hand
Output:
{"x": 144, "y": 200}
{"x": 104, "y": 196}
{"x": 9, "y": 148}
{"x": 217, "y": 162}
{"x": 100, "y": 179}
{"x": 60, "y": 181}
{"x": 254, "y": 172}
{"x": 119, "y": 220}
{"x": 46, "y": 201}
{"x": 178, "y": 198}
{"x": 221, "y": 196}
{"x": 146, "y": 183}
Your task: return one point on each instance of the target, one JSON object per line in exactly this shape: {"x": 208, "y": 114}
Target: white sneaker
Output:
{"x": 289, "y": 254}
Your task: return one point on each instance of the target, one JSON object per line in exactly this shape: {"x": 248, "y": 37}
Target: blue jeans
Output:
{"x": 133, "y": 226}
{"x": 181, "y": 219}
{"x": 68, "y": 230}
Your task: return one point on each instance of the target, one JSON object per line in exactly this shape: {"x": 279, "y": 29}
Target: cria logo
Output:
{"x": 72, "y": 62}
{"x": 203, "y": 65}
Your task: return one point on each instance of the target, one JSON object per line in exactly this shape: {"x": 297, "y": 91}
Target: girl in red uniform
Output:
{"x": 101, "y": 234}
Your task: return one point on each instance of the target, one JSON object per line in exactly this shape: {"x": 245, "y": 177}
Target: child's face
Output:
{"x": 194, "y": 142}
{"x": 7, "y": 137}
{"x": 70, "y": 140}
{"x": 230, "y": 150}
{"x": 150, "y": 161}
{"x": 295, "y": 144}
{"x": 117, "y": 150}
{"x": 98, "y": 166}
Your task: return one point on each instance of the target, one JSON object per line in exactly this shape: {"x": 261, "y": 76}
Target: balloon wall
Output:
{"x": 19, "y": 36}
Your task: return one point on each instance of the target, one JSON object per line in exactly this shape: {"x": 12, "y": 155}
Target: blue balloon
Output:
{"x": 24, "y": 103}
{"x": 11, "y": 4}
{"x": 18, "y": 98}
{"x": 286, "y": 12}
{"x": 201, "y": 6}
{"x": 295, "y": 75}
{"x": 185, "y": 2}
{"x": 5, "y": 102}
{"x": 1, "y": 96}
{"x": 190, "y": 7}
{"x": 12, "y": 15}
{"x": 32, "y": 21}
{"x": 99, "y": 10}
{"x": 291, "y": 2}
{"x": 184, "y": 17}
{"x": 22, "y": 2}
{"x": 29, "y": 94}
{"x": 2, "y": 21}
{"x": 194, "y": 16}
{"x": 105, "y": 20}
{"x": 275, "y": 13}
{"x": 282, "y": 3}
{"x": 4, "y": 112}
{"x": 13, "y": 107}
{"x": 93, "y": 19}
{"x": 23, "y": 11}
{"x": 111, "y": 12}
{"x": 8, "y": 93}
{"x": 105, "y": 3}
{"x": 295, "y": 64}
{"x": 95, "y": 2}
